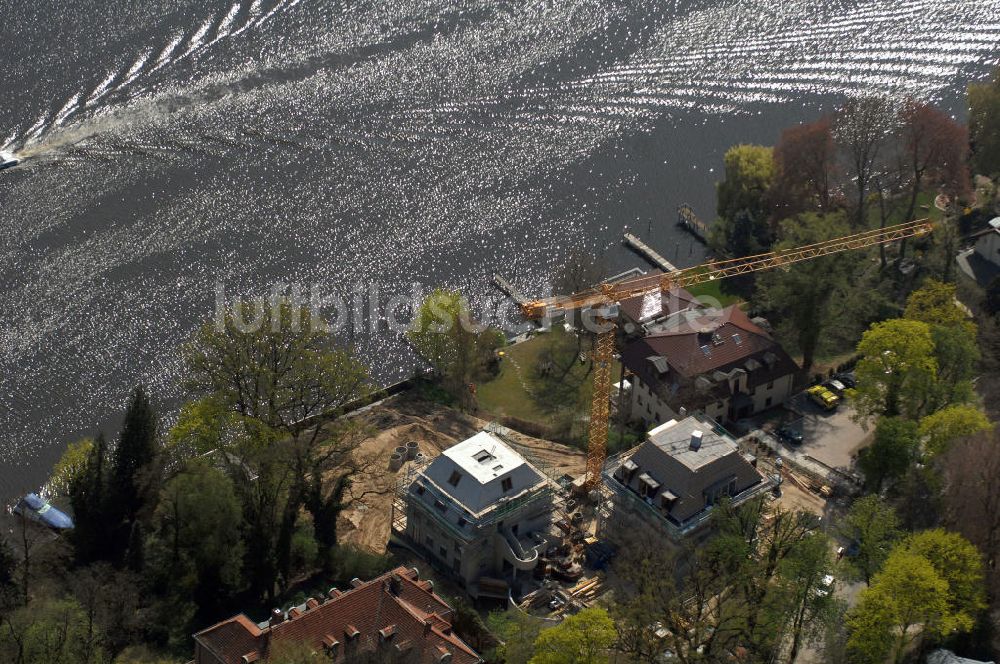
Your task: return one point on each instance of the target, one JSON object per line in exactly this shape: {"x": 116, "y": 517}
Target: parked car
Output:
{"x": 847, "y": 378}
{"x": 38, "y": 509}
{"x": 835, "y": 386}
{"x": 789, "y": 435}
{"x": 823, "y": 397}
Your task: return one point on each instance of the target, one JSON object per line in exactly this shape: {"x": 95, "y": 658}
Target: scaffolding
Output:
{"x": 556, "y": 489}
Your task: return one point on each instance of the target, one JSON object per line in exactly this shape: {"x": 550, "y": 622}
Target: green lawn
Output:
{"x": 513, "y": 392}
{"x": 506, "y": 394}
{"x": 713, "y": 289}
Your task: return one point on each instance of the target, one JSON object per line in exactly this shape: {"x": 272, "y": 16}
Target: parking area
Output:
{"x": 832, "y": 438}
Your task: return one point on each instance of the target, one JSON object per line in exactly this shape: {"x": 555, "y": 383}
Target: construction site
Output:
{"x": 515, "y": 520}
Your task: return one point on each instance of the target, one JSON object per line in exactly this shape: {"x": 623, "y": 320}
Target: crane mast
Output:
{"x": 601, "y": 300}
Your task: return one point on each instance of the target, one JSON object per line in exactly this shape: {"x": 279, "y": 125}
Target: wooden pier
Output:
{"x": 647, "y": 252}
{"x": 689, "y": 221}
{"x": 509, "y": 290}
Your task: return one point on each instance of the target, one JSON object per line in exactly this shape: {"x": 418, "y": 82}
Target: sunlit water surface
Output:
{"x": 174, "y": 145}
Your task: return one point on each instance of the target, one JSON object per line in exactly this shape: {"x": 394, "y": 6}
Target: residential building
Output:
{"x": 672, "y": 480}
{"x": 394, "y": 618}
{"x": 988, "y": 242}
{"x": 715, "y": 361}
{"x": 481, "y": 512}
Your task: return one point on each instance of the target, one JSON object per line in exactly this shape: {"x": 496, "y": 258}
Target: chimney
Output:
{"x": 333, "y": 593}
{"x": 696, "y": 440}
{"x": 395, "y": 584}
{"x": 277, "y": 616}
{"x": 356, "y": 582}
{"x": 682, "y": 413}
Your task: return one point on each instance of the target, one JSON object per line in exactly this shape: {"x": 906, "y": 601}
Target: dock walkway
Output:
{"x": 689, "y": 221}
{"x": 647, "y": 252}
{"x": 509, "y": 290}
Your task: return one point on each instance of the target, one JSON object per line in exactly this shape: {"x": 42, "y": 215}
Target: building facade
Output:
{"x": 394, "y": 618}
{"x": 712, "y": 361}
{"x": 669, "y": 484}
{"x": 482, "y": 513}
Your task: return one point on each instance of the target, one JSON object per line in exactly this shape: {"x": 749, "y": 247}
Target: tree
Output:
{"x": 72, "y": 462}
{"x": 935, "y": 303}
{"x": 955, "y": 348}
{"x": 111, "y": 602}
{"x": 583, "y": 638}
{"x": 803, "y": 293}
{"x": 861, "y": 128}
{"x": 872, "y": 524}
{"x": 930, "y": 583}
{"x": 131, "y": 482}
{"x": 701, "y": 615}
{"x": 992, "y": 303}
{"x": 517, "y": 632}
{"x": 939, "y": 430}
{"x": 50, "y": 631}
{"x": 743, "y": 205}
{"x": 970, "y": 468}
{"x": 800, "y": 592}
{"x": 935, "y": 147}
{"x": 276, "y": 386}
{"x": 804, "y": 160}
{"x": 958, "y": 562}
{"x": 195, "y": 545}
{"x": 896, "y": 369}
{"x": 984, "y": 125}
{"x": 88, "y": 496}
{"x": 908, "y": 594}
{"x": 444, "y": 334}
{"x": 892, "y": 452}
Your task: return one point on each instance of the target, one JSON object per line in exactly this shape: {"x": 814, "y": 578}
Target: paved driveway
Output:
{"x": 830, "y": 438}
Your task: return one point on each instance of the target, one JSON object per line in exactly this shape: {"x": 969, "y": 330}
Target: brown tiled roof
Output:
{"x": 394, "y": 610}
{"x": 718, "y": 340}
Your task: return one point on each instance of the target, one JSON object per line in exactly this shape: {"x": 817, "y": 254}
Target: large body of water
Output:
{"x": 176, "y": 144}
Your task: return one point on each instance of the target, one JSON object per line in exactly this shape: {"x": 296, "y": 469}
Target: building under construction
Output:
{"x": 490, "y": 517}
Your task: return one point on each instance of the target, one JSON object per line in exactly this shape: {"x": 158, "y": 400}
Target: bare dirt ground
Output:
{"x": 366, "y": 523}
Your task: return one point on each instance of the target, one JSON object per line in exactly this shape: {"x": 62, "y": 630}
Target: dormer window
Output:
{"x": 455, "y": 478}
{"x": 506, "y": 484}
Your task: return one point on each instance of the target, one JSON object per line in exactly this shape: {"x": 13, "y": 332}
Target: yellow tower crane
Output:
{"x": 600, "y": 305}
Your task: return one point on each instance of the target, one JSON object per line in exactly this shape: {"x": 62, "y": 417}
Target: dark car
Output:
{"x": 789, "y": 435}
{"x": 847, "y": 379}
{"x": 836, "y": 386}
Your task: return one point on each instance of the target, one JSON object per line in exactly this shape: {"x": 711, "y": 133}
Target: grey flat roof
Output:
{"x": 674, "y": 438}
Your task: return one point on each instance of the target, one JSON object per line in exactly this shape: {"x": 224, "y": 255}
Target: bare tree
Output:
{"x": 804, "y": 158}
{"x": 972, "y": 497}
{"x": 861, "y": 128}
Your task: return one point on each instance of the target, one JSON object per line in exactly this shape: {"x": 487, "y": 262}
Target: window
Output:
{"x": 738, "y": 339}
{"x": 456, "y": 566}
{"x": 455, "y": 478}
{"x": 444, "y": 552}
{"x": 429, "y": 541}
{"x": 458, "y": 549}
{"x": 770, "y": 385}
{"x": 462, "y": 522}
{"x": 506, "y": 484}
{"x": 420, "y": 489}
{"x": 483, "y": 456}
{"x": 767, "y": 402}
{"x": 440, "y": 506}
